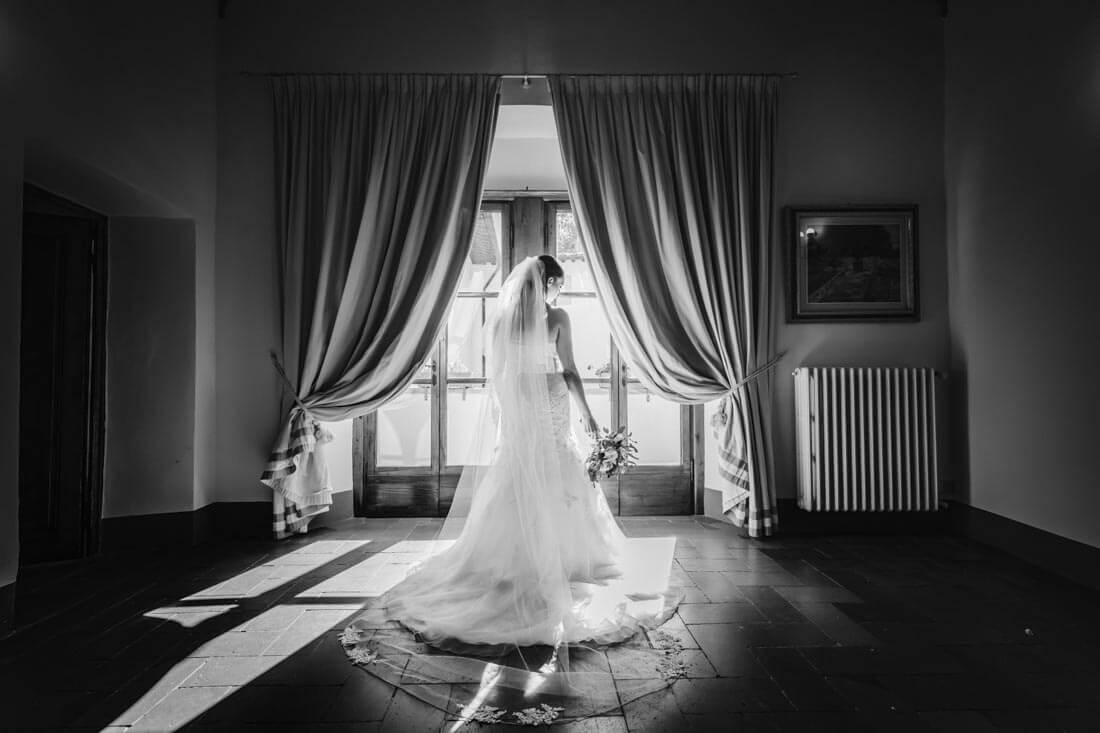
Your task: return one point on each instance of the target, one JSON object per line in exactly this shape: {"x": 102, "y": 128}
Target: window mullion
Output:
{"x": 439, "y": 405}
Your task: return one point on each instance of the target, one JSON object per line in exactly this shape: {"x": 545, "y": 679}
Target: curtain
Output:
{"x": 671, "y": 183}
{"x": 378, "y": 184}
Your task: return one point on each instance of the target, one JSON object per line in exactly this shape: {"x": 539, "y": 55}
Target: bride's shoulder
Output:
{"x": 556, "y": 316}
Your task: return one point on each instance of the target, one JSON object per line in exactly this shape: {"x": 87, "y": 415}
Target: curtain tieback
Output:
{"x": 722, "y": 416}
{"x": 289, "y": 386}
{"x": 757, "y": 372}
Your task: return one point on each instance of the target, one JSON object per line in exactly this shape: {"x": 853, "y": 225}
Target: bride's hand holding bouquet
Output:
{"x": 612, "y": 453}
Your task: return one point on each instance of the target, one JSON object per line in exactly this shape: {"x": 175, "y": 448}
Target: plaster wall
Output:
{"x": 1023, "y": 178}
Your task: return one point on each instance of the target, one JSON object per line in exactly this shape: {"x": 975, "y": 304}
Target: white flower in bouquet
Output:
{"x": 611, "y": 454}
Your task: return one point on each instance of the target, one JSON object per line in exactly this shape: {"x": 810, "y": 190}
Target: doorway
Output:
{"x": 61, "y": 385}
{"x": 409, "y": 454}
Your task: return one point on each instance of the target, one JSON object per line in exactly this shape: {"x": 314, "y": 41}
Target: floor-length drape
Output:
{"x": 378, "y": 185}
{"x": 671, "y": 183}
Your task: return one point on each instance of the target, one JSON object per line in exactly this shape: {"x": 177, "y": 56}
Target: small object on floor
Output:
{"x": 485, "y": 714}
{"x": 362, "y": 656}
{"x": 542, "y": 715}
{"x": 349, "y": 636}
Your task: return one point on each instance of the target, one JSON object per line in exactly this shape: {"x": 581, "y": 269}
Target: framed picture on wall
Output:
{"x": 853, "y": 263}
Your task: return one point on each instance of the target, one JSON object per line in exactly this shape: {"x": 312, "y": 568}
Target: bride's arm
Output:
{"x": 569, "y": 370}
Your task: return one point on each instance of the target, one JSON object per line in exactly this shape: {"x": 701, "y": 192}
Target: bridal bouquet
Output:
{"x": 612, "y": 453}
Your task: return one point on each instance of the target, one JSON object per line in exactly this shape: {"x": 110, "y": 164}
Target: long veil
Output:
{"x": 502, "y": 613}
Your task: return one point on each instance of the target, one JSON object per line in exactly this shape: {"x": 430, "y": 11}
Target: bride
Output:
{"x": 536, "y": 558}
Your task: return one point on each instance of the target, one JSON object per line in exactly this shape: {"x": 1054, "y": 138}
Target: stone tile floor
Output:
{"x": 794, "y": 633}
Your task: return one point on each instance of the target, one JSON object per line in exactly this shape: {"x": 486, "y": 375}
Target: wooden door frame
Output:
{"x": 38, "y": 200}
{"x": 691, "y": 438}
{"x": 530, "y": 216}
{"x": 438, "y": 481}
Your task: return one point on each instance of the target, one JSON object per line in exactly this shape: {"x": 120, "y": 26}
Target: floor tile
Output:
{"x": 728, "y": 564}
{"x": 363, "y": 697}
{"x": 817, "y": 594}
{"x": 807, "y": 722}
{"x": 727, "y": 650}
{"x": 768, "y": 578}
{"x": 229, "y": 671}
{"x": 741, "y": 612}
{"x": 729, "y": 695}
{"x": 715, "y": 586}
{"x": 883, "y": 660}
{"x": 407, "y": 713}
{"x": 836, "y": 624}
{"x": 812, "y": 693}
{"x": 127, "y": 704}
{"x": 958, "y": 692}
{"x": 271, "y": 705}
{"x": 957, "y": 721}
{"x": 869, "y": 693}
{"x": 180, "y": 707}
{"x": 656, "y": 712}
{"x": 774, "y": 607}
{"x": 599, "y": 724}
{"x": 784, "y": 662}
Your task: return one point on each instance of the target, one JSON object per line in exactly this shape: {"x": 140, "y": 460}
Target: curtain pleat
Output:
{"x": 671, "y": 183}
{"x": 378, "y": 182}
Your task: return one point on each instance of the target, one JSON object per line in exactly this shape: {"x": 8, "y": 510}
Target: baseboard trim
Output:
{"x": 7, "y": 609}
{"x": 143, "y": 531}
{"x": 795, "y": 521}
{"x": 223, "y": 520}
{"x": 1072, "y": 560}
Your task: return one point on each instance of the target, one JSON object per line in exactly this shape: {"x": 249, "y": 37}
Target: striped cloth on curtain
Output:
{"x": 733, "y": 464}
{"x": 735, "y": 471}
{"x": 292, "y": 512}
{"x": 290, "y": 518}
{"x": 734, "y": 460}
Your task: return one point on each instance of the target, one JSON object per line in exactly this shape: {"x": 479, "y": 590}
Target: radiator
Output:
{"x": 866, "y": 439}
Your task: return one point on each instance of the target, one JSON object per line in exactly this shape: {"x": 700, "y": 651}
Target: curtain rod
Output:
{"x": 784, "y": 74}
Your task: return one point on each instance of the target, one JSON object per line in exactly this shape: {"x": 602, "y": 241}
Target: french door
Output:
{"x": 409, "y": 453}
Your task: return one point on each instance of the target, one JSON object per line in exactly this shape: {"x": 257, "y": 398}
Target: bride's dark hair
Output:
{"x": 550, "y": 267}
{"x": 521, "y": 313}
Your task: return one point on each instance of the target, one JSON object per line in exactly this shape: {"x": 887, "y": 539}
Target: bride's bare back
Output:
{"x": 560, "y": 329}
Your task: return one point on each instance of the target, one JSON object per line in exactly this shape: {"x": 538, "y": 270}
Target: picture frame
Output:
{"x": 853, "y": 263}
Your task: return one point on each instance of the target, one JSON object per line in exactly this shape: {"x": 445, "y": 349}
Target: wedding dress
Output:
{"x": 530, "y": 556}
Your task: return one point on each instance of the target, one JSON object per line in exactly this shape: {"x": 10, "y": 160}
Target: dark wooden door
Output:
{"x": 60, "y": 394}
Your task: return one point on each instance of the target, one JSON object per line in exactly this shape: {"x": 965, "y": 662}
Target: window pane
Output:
{"x": 591, "y": 335}
{"x": 425, "y": 371}
{"x": 655, "y": 425}
{"x": 482, "y": 270}
{"x": 464, "y": 405}
{"x": 568, "y": 250}
{"x": 404, "y": 429}
{"x": 466, "y": 332}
